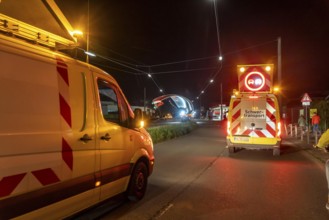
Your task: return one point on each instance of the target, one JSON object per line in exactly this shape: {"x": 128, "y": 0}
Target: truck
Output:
{"x": 254, "y": 114}
{"x": 76, "y": 142}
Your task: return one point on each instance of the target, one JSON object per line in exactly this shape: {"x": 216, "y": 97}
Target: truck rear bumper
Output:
{"x": 253, "y": 146}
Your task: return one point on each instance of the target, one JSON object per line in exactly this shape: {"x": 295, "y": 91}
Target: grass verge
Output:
{"x": 167, "y": 132}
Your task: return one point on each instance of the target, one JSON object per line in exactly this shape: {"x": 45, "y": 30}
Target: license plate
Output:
{"x": 242, "y": 139}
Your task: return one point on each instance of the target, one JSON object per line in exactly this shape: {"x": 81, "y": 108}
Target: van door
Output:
{"x": 114, "y": 137}
{"x": 258, "y": 122}
{"x": 255, "y": 116}
{"x": 42, "y": 159}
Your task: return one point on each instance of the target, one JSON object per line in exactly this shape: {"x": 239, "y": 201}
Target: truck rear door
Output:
{"x": 258, "y": 118}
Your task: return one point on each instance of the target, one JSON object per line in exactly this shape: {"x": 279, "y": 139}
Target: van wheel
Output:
{"x": 276, "y": 151}
{"x": 138, "y": 182}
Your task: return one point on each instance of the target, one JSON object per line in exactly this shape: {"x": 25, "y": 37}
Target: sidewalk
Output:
{"x": 315, "y": 152}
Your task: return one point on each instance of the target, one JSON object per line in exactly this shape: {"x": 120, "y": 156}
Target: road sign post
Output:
{"x": 306, "y": 101}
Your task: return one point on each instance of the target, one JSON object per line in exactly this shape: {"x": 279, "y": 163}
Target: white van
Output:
{"x": 68, "y": 137}
{"x": 254, "y": 122}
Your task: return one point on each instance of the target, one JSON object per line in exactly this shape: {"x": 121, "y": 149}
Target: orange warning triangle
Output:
{"x": 306, "y": 98}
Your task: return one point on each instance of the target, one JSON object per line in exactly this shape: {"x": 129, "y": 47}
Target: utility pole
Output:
{"x": 87, "y": 47}
{"x": 144, "y": 99}
{"x": 279, "y": 71}
{"x": 221, "y": 101}
{"x": 217, "y": 28}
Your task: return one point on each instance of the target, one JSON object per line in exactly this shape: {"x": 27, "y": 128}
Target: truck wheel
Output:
{"x": 231, "y": 150}
{"x": 276, "y": 151}
{"x": 138, "y": 182}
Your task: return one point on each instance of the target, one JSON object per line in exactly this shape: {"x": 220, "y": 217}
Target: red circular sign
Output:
{"x": 254, "y": 81}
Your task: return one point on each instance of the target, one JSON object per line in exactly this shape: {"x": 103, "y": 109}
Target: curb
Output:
{"x": 315, "y": 152}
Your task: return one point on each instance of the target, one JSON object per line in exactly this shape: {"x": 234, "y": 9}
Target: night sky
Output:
{"x": 176, "y": 40}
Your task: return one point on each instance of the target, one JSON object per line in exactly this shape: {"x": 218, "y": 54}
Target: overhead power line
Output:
{"x": 209, "y": 57}
{"x": 136, "y": 67}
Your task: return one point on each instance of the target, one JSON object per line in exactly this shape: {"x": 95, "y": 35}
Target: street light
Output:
{"x": 90, "y": 54}
{"x": 76, "y": 33}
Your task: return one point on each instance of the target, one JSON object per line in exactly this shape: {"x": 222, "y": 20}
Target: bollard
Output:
{"x": 291, "y": 130}
{"x": 316, "y": 138}
{"x": 308, "y": 136}
{"x": 296, "y": 131}
{"x": 301, "y": 135}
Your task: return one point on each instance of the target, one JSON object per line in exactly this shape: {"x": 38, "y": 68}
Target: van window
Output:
{"x": 114, "y": 108}
{"x": 124, "y": 118}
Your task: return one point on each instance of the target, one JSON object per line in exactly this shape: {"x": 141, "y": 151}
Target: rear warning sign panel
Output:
{"x": 255, "y": 78}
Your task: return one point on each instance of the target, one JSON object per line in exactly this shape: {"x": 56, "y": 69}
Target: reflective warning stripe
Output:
{"x": 270, "y": 118}
{"x": 63, "y": 87}
{"x": 46, "y": 176}
{"x": 9, "y": 183}
{"x": 65, "y": 110}
{"x": 66, "y": 122}
{"x": 236, "y": 114}
{"x": 23, "y": 203}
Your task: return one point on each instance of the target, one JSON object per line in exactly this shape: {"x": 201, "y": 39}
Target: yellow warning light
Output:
{"x": 76, "y": 33}
{"x": 268, "y": 68}
{"x": 142, "y": 124}
{"x": 276, "y": 89}
{"x": 98, "y": 183}
{"x": 242, "y": 69}
{"x": 235, "y": 92}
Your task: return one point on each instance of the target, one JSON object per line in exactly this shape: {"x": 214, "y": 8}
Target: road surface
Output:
{"x": 195, "y": 179}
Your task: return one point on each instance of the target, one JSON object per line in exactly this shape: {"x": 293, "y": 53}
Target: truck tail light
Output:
{"x": 228, "y": 128}
{"x": 279, "y": 129}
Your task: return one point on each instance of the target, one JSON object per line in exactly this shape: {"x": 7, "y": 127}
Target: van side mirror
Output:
{"x": 138, "y": 113}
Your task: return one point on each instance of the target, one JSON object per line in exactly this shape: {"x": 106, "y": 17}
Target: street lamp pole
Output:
{"x": 87, "y": 47}
{"x": 144, "y": 112}
{"x": 221, "y": 101}
{"x": 220, "y": 57}
{"x": 217, "y": 29}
